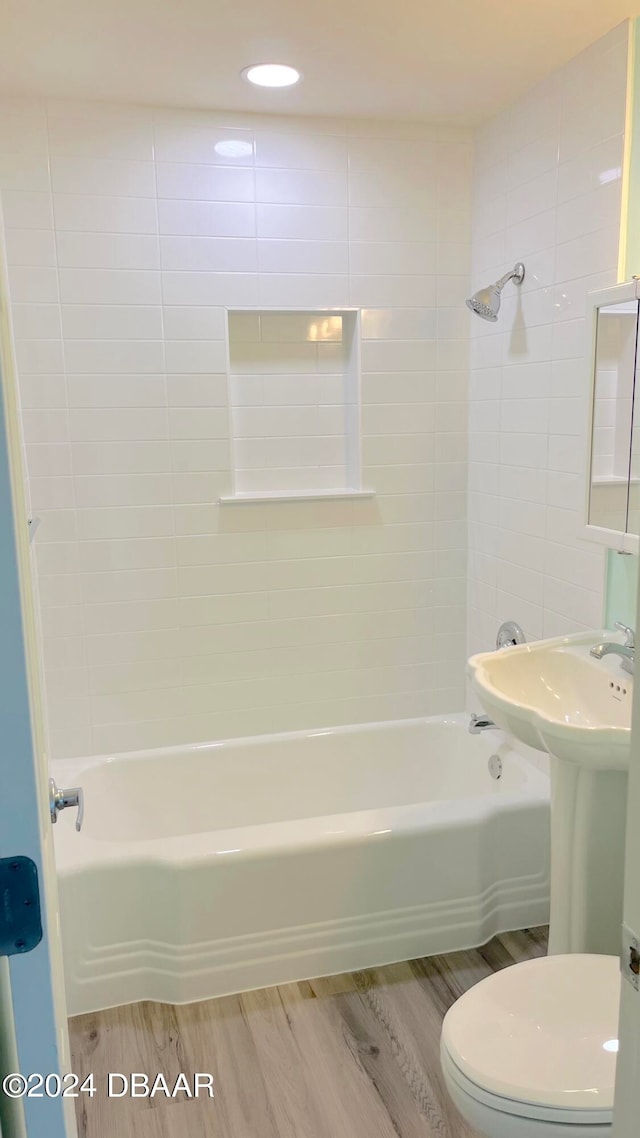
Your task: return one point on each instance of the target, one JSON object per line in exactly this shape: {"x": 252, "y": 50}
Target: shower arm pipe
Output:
{"x": 505, "y": 280}
{"x": 517, "y": 273}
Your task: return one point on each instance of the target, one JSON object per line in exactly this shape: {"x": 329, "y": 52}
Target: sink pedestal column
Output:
{"x": 588, "y": 820}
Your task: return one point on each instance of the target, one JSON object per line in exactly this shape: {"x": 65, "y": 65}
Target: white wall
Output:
{"x": 547, "y": 190}
{"x": 167, "y": 618}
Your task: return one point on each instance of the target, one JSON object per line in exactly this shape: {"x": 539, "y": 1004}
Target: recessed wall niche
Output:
{"x": 294, "y": 398}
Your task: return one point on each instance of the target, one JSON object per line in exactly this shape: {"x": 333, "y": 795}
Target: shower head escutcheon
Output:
{"x": 486, "y": 301}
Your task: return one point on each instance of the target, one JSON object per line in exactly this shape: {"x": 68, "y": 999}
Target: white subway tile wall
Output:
{"x": 547, "y": 190}
{"x": 166, "y": 618}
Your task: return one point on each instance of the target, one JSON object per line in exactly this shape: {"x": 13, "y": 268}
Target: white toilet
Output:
{"x": 530, "y": 1052}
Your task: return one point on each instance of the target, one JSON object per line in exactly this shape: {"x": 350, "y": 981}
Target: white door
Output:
{"x": 33, "y": 1030}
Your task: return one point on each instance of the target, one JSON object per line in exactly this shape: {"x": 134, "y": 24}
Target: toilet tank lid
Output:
{"x": 544, "y": 1031}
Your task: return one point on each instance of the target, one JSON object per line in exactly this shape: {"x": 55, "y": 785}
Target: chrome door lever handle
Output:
{"x": 62, "y": 799}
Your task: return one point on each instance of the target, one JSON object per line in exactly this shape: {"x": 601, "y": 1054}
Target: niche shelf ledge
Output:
{"x": 303, "y": 496}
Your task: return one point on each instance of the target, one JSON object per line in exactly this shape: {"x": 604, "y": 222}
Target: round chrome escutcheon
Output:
{"x": 510, "y": 634}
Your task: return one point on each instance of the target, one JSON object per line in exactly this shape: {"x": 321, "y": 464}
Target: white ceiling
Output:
{"x": 457, "y": 60}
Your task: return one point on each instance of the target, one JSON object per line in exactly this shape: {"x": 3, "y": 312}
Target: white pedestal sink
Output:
{"x": 554, "y": 696}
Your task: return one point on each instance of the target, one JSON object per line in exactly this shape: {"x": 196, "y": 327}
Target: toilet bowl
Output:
{"x": 530, "y": 1052}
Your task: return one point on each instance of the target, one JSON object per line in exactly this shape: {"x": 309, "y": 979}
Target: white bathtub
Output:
{"x": 220, "y": 867}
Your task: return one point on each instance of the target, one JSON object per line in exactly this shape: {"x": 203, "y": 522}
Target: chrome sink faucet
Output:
{"x": 626, "y": 651}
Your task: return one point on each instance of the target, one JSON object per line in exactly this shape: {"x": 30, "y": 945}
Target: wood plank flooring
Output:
{"x": 351, "y": 1056}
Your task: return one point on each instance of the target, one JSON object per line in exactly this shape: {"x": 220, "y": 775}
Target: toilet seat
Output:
{"x": 528, "y": 1044}
{"x": 517, "y": 1109}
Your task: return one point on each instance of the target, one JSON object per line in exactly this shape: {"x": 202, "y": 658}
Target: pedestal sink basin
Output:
{"x": 554, "y": 696}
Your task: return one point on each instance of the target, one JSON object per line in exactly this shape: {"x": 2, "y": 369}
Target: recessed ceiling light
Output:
{"x": 271, "y": 75}
{"x": 233, "y": 148}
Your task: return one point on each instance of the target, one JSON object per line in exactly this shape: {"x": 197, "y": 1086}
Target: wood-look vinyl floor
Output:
{"x": 351, "y": 1056}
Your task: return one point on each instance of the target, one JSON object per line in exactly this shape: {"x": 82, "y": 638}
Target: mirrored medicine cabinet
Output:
{"x": 613, "y": 466}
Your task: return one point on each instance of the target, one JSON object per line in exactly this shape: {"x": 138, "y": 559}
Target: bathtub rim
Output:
{"x": 78, "y": 853}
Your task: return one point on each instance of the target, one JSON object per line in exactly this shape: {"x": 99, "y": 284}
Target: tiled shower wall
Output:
{"x": 547, "y": 186}
{"x": 166, "y": 617}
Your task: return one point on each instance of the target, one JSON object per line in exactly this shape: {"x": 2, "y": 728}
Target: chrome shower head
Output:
{"x": 486, "y": 301}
